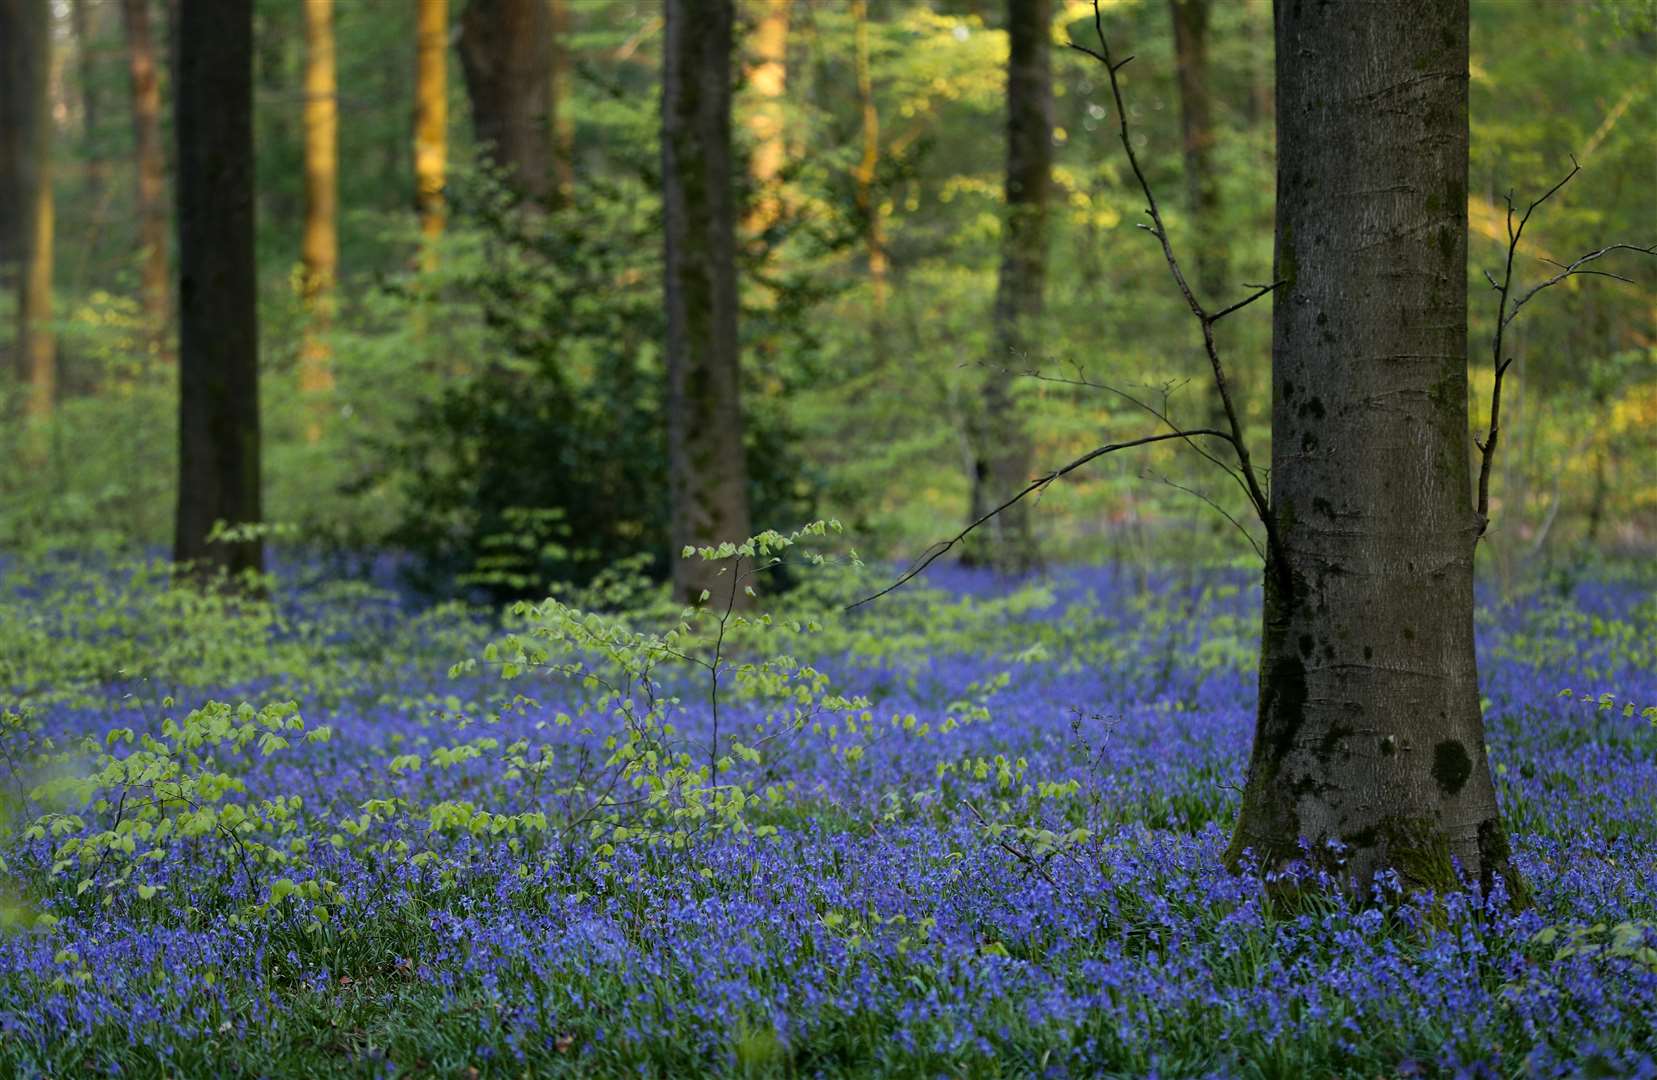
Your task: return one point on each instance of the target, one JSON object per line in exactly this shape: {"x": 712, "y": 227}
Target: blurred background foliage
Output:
{"x": 502, "y": 413}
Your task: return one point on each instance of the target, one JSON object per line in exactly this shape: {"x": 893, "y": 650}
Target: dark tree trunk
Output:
{"x": 708, "y": 473}
{"x": 97, "y": 170}
{"x": 152, "y": 169}
{"x": 26, "y": 195}
{"x": 1002, "y": 452}
{"x": 218, "y": 460}
{"x": 506, "y": 57}
{"x": 1370, "y": 731}
{"x": 25, "y": 188}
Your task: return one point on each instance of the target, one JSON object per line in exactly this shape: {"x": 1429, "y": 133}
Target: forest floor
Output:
{"x": 1004, "y": 861}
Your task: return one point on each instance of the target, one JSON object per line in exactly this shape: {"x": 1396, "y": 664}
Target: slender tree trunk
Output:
{"x": 1002, "y": 457}
{"x": 505, "y": 55}
{"x": 1190, "y": 18}
{"x": 767, "y": 81}
{"x": 868, "y": 204}
{"x": 708, "y": 474}
{"x": 152, "y": 172}
{"x": 319, "y": 248}
{"x": 218, "y": 342}
{"x": 26, "y": 124}
{"x": 97, "y": 169}
{"x": 563, "y": 121}
{"x": 431, "y": 123}
{"x": 1370, "y": 732}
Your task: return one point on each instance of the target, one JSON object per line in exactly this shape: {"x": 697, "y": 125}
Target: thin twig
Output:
{"x": 1218, "y": 509}
{"x": 1039, "y": 483}
{"x": 1505, "y": 315}
{"x": 1018, "y": 853}
{"x": 1256, "y": 496}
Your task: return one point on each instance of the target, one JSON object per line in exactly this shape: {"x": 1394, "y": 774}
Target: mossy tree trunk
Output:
{"x": 218, "y": 458}
{"x": 708, "y": 473}
{"x": 1370, "y": 730}
{"x": 1001, "y": 444}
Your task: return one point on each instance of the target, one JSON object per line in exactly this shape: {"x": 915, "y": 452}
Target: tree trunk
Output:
{"x": 152, "y": 172}
{"x": 26, "y": 240}
{"x": 319, "y": 247}
{"x": 1370, "y": 732}
{"x": 868, "y": 205}
{"x": 1190, "y": 18}
{"x": 767, "y": 80}
{"x": 218, "y": 342}
{"x": 97, "y": 169}
{"x": 505, "y": 54}
{"x": 563, "y": 121}
{"x": 708, "y": 473}
{"x": 1002, "y": 458}
{"x": 431, "y": 122}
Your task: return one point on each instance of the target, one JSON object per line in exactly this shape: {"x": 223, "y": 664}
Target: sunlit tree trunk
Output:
{"x": 505, "y": 55}
{"x": 708, "y": 474}
{"x": 152, "y": 171}
{"x": 563, "y": 120}
{"x": 319, "y": 248}
{"x": 767, "y": 80}
{"x": 868, "y": 204}
{"x": 431, "y": 123}
{"x": 218, "y": 341}
{"x": 26, "y": 125}
{"x": 1002, "y": 446}
{"x": 1370, "y": 732}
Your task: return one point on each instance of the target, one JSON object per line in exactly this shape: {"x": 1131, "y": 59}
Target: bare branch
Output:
{"x": 1218, "y": 509}
{"x": 1574, "y": 270}
{"x": 1506, "y": 314}
{"x": 1261, "y": 290}
{"x": 1038, "y": 484}
{"x": 1257, "y": 497}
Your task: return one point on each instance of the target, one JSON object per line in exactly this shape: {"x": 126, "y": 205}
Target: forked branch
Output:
{"x": 939, "y": 549}
{"x": 1245, "y": 471}
{"x": 1506, "y": 314}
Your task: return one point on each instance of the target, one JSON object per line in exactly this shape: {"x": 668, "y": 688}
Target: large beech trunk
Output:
{"x": 1369, "y": 731}
{"x": 708, "y": 474}
{"x": 218, "y": 461}
{"x": 1001, "y": 444}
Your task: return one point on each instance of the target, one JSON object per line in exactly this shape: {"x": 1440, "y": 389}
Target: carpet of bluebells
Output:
{"x": 970, "y": 830}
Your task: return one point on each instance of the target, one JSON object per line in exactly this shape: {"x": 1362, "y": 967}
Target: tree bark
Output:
{"x": 868, "y": 205}
{"x": 26, "y": 247}
{"x": 1002, "y": 453}
{"x": 319, "y": 247}
{"x": 505, "y": 55}
{"x": 563, "y": 121}
{"x": 152, "y": 173}
{"x": 431, "y": 123}
{"x": 1370, "y": 731}
{"x": 767, "y": 81}
{"x": 218, "y": 318}
{"x": 708, "y": 472}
